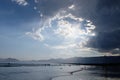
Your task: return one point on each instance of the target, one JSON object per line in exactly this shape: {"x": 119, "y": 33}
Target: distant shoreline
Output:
{"x": 57, "y": 64}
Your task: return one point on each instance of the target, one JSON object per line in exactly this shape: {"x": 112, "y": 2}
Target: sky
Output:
{"x": 45, "y": 29}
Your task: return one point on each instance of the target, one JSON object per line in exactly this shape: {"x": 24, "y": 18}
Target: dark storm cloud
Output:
{"x": 106, "y": 41}
{"x": 105, "y": 14}
{"x": 107, "y": 26}
{"x": 108, "y": 15}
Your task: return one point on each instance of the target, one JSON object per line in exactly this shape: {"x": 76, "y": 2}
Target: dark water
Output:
{"x": 60, "y": 73}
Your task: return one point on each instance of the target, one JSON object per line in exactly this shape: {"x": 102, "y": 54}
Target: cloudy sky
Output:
{"x": 44, "y": 29}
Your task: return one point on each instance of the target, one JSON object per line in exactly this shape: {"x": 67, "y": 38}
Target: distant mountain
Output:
{"x": 87, "y": 60}
{"x": 9, "y": 60}
{"x": 95, "y": 60}
{"x": 74, "y": 60}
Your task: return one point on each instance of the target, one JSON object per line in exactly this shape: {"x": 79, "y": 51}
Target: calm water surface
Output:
{"x": 60, "y": 73}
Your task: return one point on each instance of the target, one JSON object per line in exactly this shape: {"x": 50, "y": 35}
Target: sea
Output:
{"x": 60, "y": 72}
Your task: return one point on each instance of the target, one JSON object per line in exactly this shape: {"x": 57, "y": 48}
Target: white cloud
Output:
{"x": 36, "y": 35}
{"x": 64, "y": 46}
{"x": 71, "y": 7}
{"x": 21, "y": 2}
{"x": 68, "y": 30}
{"x": 73, "y": 31}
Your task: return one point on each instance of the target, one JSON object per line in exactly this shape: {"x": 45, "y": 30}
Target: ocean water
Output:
{"x": 60, "y": 73}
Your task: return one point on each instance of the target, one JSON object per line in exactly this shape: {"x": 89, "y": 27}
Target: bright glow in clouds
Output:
{"x": 21, "y": 2}
{"x": 65, "y": 31}
{"x": 71, "y": 7}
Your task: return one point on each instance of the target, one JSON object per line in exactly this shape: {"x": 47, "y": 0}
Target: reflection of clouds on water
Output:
{"x": 18, "y": 72}
{"x": 68, "y": 78}
{"x": 70, "y": 75}
{"x": 6, "y": 76}
{"x": 60, "y": 73}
